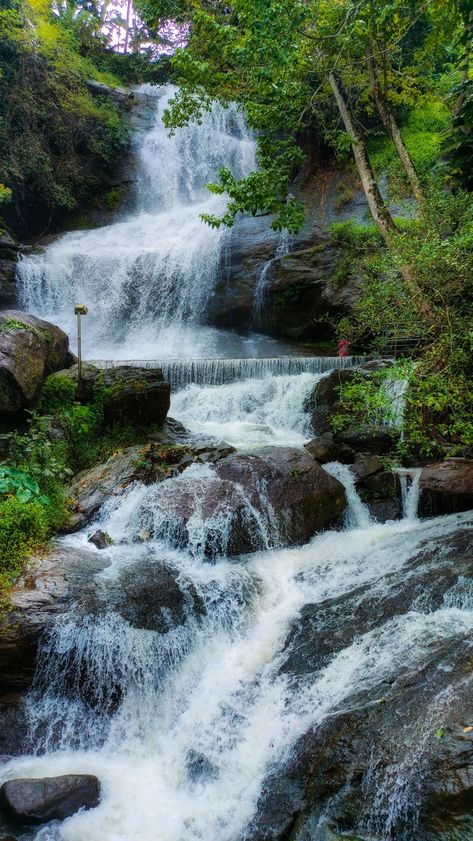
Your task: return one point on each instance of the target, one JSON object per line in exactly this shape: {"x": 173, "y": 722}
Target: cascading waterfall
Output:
{"x": 186, "y": 708}
{"x": 184, "y": 724}
{"x": 147, "y": 279}
{"x": 264, "y": 277}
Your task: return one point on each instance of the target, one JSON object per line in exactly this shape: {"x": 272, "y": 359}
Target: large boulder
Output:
{"x": 324, "y": 402}
{"x": 37, "y": 801}
{"x": 49, "y": 584}
{"x": 328, "y": 447}
{"x": 30, "y": 350}
{"x": 446, "y": 487}
{"x": 275, "y": 496}
{"x": 293, "y": 286}
{"x": 166, "y": 454}
{"x": 133, "y": 395}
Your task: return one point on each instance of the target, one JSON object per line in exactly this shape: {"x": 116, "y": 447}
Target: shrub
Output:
{"x": 58, "y": 393}
{"x": 23, "y": 527}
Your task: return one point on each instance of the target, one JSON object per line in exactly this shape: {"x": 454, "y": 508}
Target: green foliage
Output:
{"x": 438, "y": 249}
{"x": 458, "y": 144}
{"x": 23, "y": 527}
{"x": 12, "y": 324}
{"x": 58, "y": 144}
{"x": 357, "y": 238}
{"x": 17, "y": 483}
{"x": 369, "y": 398}
{"x": 58, "y": 393}
{"x": 423, "y": 133}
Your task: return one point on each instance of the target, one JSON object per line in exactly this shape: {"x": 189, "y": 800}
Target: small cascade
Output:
{"x": 396, "y": 393}
{"x": 409, "y": 478}
{"x": 357, "y": 515}
{"x": 270, "y": 410}
{"x": 264, "y": 278}
{"x": 209, "y": 372}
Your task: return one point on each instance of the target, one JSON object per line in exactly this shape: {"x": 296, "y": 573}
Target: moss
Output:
{"x": 12, "y": 324}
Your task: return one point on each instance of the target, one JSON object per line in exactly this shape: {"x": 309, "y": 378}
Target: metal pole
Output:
{"x": 79, "y": 347}
{"x": 79, "y": 310}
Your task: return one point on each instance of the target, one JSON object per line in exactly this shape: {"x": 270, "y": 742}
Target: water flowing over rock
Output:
{"x": 275, "y": 496}
{"x": 266, "y": 649}
{"x": 394, "y": 759}
{"x": 166, "y": 454}
{"x": 52, "y": 798}
{"x": 30, "y": 349}
{"x": 46, "y": 589}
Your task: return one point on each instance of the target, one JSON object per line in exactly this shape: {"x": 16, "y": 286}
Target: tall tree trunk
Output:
{"x": 392, "y": 127}
{"x": 127, "y": 28}
{"x": 379, "y": 211}
{"x": 466, "y": 65}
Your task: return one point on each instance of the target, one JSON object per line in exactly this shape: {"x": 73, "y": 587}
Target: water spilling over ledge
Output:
{"x": 183, "y": 372}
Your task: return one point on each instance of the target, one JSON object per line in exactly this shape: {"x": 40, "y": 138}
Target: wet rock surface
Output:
{"x": 149, "y": 595}
{"x": 301, "y": 276}
{"x": 274, "y": 496}
{"x": 446, "y": 487}
{"x": 396, "y": 759}
{"x": 46, "y": 589}
{"x": 166, "y": 454}
{"x": 30, "y": 349}
{"x": 37, "y": 801}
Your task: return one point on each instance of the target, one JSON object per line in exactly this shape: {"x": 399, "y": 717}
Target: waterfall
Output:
{"x": 409, "y": 478}
{"x": 181, "y": 676}
{"x": 147, "y": 278}
{"x": 357, "y": 513}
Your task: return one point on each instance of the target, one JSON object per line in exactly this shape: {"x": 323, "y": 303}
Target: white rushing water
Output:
{"x": 187, "y": 724}
{"x": 147, "y": 279}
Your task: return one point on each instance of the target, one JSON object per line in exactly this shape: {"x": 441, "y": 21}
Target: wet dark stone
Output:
{"x": 446, "y": 487}
{"x": 378, "y": 440}
{"x": 152, "y": 596}
{"x": 100, "y": 539}
{"x": 36, "y": 801}
{"x": 328, "y": 447}
{"x": 396, "y": 759}
{"x": 200, "y": 768}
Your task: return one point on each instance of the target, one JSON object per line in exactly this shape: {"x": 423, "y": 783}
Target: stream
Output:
{"x": 190, "y": 725}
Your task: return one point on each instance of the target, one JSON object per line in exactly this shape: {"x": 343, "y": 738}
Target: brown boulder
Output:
{"x": 30, "y": 350}
{"x": 275, "y": 496}
{"x": 167, "y": 454}
{"x": 446, "y": 487}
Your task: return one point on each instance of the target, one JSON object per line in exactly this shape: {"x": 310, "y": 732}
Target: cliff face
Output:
{"x": 292, "y": 287}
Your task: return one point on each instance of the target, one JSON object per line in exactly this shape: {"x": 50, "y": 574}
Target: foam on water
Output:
{"x": 186, "y": 753}
{"x": 248, "y": 413}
